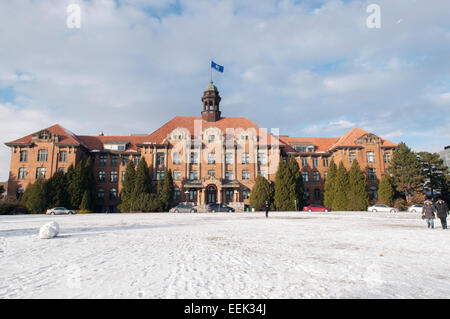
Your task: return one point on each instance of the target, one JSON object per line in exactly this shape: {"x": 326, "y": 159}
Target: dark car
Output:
{"x": 184, "y": 208}
{"x": 213, "y": 208}
{"x": 316, "y": 208}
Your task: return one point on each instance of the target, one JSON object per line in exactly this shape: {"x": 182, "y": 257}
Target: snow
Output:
{"x": 49, "y": 230}
{"x": 229, "y": 255}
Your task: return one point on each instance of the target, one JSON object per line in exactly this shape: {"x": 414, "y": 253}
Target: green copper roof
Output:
{"x": 211, "y": 87}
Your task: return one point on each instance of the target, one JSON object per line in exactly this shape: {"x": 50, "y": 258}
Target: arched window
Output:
{"x": 246, "y": 193}
{"x": 373, "y": 192}
{"x": 19, "y": 192}
{"x": 176, "y": 193}
{"x": 113, "y": 194}
{"x": 101, "y": 194}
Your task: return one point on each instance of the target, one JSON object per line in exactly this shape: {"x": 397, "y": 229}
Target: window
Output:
{"x": 316, "y": 176}
{"x": 263, "y": 173}
{"x": 387, "y": 157}
{"x": 136, "y": 160}
{"x": 229, "y": 158}
{"x": 123, "y": 175}
{"x": 316, "y": 194}
{"x": 62, "y": 156}
{"x": 211, "y": 158}
{"x": 114, "y": 176}
{"x": 102, "y": 160}
{"x": 212, "y": 172}
{"x": 177, "y": 174}
{"x": 62, "y": 169}
{"x": 193, "y": 195}
{"x": 159, "y": 159}
{"x": 310, "y": 149}
{"x": 325, "y": 176}
{"x": 41, "y": 172}
{"x": 101, "y": 194}
{"x": 22, "y": 173}
{"x": 246, "y": 193}
{"x": 101, "y": 176}
{"x": 194, "y": 158}
{"x": 371, "y": 173}
{"x": 114, "y": 160}
{"x": 373, "y": 192}
{"x": 300, "y": 148}
{"x": 176, "y": 158}
{"x": 113, "y": 194}
{"x": 315, "y": 161}
{"x": 159, "y": 175}
{"x": 245, "y": 174}
{"x": 211, "y": 138}
{"x": 351, "y": 156}
{"x": 262, "y": 158}
{"x": 245, "y": 158}
{"x": 370, "y": 157}
{"x": 304, "y": 161}
{"x": 176, "y": 193}
{"x": 125, "y": 160}
{"x": 305, "y": 176}
{"x": 19, "y": 192}
{"x": 229, "y": 175}
{"x": 229, "y": 195}
{"x": 23, "y": 156}
{"x": 115, "y": 147}
{"x": 42, "y": 156}
{"x": 325, "y": 161}
{"x": 307, "y": 194}
{"x": 193, "y": 175}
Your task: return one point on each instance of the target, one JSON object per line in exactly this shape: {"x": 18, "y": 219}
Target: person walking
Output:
{"x": 267, "y": 209}
{"x": 442, "y": 212}
{"x": 428, "y": 213}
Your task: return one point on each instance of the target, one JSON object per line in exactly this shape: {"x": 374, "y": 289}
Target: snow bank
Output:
{"x": 49, "y": 230}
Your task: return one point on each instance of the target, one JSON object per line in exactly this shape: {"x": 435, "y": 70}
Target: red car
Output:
{"x": 316, "y": 208}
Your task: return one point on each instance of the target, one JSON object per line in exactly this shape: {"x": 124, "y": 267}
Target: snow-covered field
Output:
{"x": 237, "y": 255}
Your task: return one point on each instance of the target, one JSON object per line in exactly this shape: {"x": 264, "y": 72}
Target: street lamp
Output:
{"x": 186, "y": 195}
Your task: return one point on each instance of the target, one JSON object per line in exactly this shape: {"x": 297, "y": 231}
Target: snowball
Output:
{"x": 49, "y": 230}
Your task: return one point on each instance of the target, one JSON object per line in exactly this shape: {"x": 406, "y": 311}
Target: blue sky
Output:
{"x": 309, "y": 68}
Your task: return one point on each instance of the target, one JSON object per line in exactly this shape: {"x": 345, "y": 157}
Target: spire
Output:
{"x": 211, "y": 100}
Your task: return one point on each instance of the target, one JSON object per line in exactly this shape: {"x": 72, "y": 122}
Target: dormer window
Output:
{"x": 115, "y": 146}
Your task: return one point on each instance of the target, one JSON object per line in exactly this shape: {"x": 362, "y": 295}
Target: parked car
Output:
{"x": 213, "y": 208}
{"x": 415, "y": 208}
{"x": 316, "y": 208}
{"x": 382, "y": 208}
{"x": 60, "y": 211}
{"x": 184, "y": 208}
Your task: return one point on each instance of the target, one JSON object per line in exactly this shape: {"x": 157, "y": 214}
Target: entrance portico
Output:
{"x": 212, "y": 190}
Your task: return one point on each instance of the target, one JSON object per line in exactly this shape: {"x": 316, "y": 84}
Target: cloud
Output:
{"x": 304, "y": 67}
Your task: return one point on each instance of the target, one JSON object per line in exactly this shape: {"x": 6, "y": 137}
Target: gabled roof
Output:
{"x": 326, "y": 144}
{"x": 65, "y": 137}
{"x": 93, "y": 142}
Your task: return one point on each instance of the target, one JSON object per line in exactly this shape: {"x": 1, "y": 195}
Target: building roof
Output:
{"x": 326, "y": 144}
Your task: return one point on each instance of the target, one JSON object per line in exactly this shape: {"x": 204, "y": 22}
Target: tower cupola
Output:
{"x": 211, "y": 100}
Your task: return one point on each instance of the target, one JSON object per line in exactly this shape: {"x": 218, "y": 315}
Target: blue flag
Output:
{"x": 217, "y": 67}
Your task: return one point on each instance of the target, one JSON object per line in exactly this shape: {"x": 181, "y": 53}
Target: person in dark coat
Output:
{"x": 428, "y": 213}
{"x": 442, "y": 212}
{"x": 267, "y": 209}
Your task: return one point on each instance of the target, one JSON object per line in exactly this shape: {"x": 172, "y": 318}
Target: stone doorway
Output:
{"x": 211, "y": 194}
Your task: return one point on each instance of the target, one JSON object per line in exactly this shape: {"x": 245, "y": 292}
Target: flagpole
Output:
{"x": 211, "y": 69}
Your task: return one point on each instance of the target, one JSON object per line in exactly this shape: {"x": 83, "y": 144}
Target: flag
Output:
{"x": 216, "y": 67}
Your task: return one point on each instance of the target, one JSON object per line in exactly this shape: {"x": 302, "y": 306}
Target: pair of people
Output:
{"x": 429, "y": 211}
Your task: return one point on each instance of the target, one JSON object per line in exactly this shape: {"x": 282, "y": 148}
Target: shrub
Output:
{"x": 400, "y": 204}
{"x": 12, "y": 209}
{"x": 84, "y": 211}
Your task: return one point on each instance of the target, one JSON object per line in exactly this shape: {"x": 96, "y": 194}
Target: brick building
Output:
{"x": 212, "y": 158}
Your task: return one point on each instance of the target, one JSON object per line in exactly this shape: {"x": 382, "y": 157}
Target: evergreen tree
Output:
{"x": 128, "y": 184}
{"x": 35, "y": 197}
{"x": 88, "y": 183}
{"x": 358, "y": 196}
{"x": 143, "y": 182}
{"x": 167, "y": 191}
{"x": 297, "y": 193}
{"x": 159, "y": 187}
{"x": 329, "y": 185}
{"x": 386, "y": 191}
{"x": 340, "y": 189}
{"x": 74, "y": 185}
{"x": 2, "y": 190}
{"x": 433, "y": 170}
{"x": 283, "y": 188}
{"x": 406, "y": 171}
{"x": 58, "y": 195}
{"x": 261, "y": 192}
{"x": 85, "y": 201}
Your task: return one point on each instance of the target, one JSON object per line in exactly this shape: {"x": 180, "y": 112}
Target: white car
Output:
{"x": 415, "y": 208}
{"x": 382, "y": 208}
{"x": 60, "y": 211}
